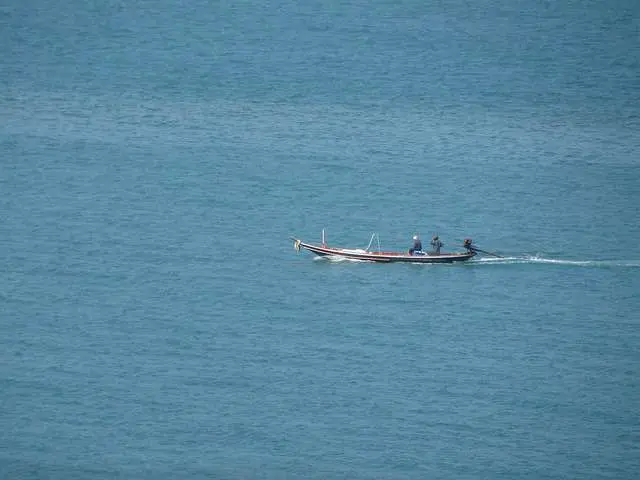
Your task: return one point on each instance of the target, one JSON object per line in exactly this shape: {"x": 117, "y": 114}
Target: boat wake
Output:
{"x": 555, "y": 261}
{"x": 338, "y": 259}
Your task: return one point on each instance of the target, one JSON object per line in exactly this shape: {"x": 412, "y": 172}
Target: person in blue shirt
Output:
{"x": 417, "y": 245}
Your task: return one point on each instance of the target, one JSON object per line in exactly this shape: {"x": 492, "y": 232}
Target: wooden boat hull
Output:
{"x": 381, "y": 257}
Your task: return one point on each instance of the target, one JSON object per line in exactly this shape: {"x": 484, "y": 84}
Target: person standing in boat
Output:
{"x": 436, "y": 244}
{"x": 417, "y": 245}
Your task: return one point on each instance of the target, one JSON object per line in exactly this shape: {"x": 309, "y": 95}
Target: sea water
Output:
{"x": 155, "y": 158}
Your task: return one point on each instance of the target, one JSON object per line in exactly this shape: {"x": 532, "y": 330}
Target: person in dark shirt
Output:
{"x": 436, "y": 244}
{"x": 417, "y": 245}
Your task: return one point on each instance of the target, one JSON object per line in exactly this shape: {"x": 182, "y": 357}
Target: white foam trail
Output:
{"x": 338, "y": 259}
{"x": 556, "y": 261}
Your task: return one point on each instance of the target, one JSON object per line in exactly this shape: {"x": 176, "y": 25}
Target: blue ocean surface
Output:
{"x": 156, "y": 157}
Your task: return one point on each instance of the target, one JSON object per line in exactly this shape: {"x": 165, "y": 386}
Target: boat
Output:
{"x": 372, "y": 255}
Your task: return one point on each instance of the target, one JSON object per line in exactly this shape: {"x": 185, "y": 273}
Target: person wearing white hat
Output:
{"x": 417, "y": 245}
